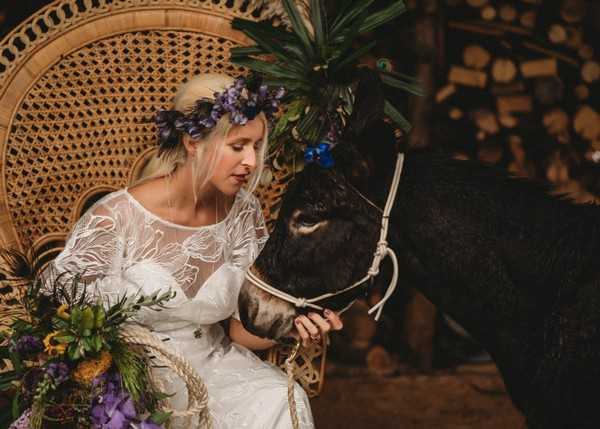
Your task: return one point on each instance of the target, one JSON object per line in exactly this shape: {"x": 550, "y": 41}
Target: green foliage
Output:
{"x": 318, "y": 68}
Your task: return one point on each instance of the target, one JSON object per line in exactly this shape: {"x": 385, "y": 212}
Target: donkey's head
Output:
{"x": 327, "y": 230}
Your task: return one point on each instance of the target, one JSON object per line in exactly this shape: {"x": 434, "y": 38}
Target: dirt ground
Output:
{"x": 470, "y": 396}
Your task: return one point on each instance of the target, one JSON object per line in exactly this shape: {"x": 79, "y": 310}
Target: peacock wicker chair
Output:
{"x": 79, "y": 80}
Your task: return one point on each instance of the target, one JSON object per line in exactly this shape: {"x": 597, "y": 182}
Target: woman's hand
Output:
{"x": 313, "y": 327}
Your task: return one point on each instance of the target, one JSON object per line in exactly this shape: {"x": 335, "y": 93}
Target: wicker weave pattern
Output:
{"x": 63, "y": 14}
{"x": 86, "y": 120}
{"x": 308, "y": 366}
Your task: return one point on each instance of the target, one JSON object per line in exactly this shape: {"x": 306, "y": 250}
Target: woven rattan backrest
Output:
{"x": 78, "y": 83}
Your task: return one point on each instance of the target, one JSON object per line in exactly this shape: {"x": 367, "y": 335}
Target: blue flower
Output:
{"x": 320, "y": 154}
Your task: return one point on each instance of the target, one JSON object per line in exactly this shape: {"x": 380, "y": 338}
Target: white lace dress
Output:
{"x": 129, "y": 249}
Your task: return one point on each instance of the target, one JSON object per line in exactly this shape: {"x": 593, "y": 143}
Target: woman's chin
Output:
{"x": 229, "y": 189}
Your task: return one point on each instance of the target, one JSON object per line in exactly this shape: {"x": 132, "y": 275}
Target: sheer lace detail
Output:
{"x": 118, "y": 233}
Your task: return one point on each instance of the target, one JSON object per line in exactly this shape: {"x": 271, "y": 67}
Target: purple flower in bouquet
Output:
{"x": 148, "y": 424}
{"x": 31, "y": 379}
{"x": 22, "y": 422}
{"x": 28, "y": 344}
{"x": 114, "y": 408}
{"x": 59, "y": 371}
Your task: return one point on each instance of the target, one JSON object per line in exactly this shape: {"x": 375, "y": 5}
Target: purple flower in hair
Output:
{"x": 240, "y": 101}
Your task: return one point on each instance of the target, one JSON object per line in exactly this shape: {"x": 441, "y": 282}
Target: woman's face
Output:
{"x": 238, "y": 159}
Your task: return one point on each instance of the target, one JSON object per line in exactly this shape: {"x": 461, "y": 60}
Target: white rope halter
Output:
{"x": 381, "y": 252}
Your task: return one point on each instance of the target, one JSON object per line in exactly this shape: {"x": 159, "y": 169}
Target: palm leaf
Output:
{"x": 379, "y": 18}
{"x": 298, "y": 25}
{"x": 401, "y": 76}
{"x": 271, "y": 40}
{"x": 395, "y": 83}
{"x": 344, "y": 20}
{"x": 288, "y": 84}
{"x": 349, "y": 35}
{"x": 318, "y": 17}
{"x": 272, "y": 48}
{"x": 246, "y": 51}
{"x": 354, "y": 56}
{"x": 396, "y": 116}
{"x": 263, "y": 27}
{"x": 266, "y": 68}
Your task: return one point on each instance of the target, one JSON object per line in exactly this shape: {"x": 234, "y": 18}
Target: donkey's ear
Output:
{"x": 378, "y": 146}
{"x": 368, "y": 102}
{"x": 352, "y": 164}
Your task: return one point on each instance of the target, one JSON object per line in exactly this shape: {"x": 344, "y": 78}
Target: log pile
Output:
{"x": 524, "y": 78}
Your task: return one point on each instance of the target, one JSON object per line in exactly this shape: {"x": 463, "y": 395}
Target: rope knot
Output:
{"x": 301, "y": 302}
{"x": 373, "y": 271}
{"x": 382, "y": 247}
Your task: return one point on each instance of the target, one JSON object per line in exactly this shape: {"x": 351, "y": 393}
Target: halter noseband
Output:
{"x": 381, "y": 252}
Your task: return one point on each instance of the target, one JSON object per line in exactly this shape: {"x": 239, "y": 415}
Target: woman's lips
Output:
{"x": 241, "y": 178}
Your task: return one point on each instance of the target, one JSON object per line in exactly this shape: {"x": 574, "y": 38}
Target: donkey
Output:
{"x": 510, "y": 263}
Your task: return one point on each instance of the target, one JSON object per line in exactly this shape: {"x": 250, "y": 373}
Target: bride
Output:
{"x": 193, "y": 226}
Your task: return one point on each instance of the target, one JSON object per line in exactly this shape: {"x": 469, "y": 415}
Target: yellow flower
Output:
{"x": 52, "y": 347}
{"x": 62, "y": 312}
{"x": 89, "y": 369}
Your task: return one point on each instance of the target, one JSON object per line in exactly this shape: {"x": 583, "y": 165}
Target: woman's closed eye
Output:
{"x": 238, "y": 147}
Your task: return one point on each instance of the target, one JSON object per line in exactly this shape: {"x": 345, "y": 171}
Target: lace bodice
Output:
{"x": 128, "y": 249}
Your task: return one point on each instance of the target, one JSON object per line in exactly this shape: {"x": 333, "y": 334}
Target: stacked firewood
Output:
{"x": 524, "y": 77}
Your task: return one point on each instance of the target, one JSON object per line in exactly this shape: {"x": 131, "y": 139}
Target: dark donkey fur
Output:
{"x": 512, "y": 264}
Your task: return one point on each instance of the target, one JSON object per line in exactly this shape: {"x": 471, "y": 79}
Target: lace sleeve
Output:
{"x": 247, "y": 233}
{"x": 92, "y": 249}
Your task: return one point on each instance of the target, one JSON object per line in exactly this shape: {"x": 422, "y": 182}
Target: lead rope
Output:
{"x": 289, "y": 369}
{"x": 380, "y": 253}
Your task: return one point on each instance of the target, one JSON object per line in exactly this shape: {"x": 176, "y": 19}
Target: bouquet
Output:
{"x": 64, "y": 360}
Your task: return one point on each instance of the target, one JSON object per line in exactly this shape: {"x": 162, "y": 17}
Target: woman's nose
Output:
{"x": 250, "y": 158}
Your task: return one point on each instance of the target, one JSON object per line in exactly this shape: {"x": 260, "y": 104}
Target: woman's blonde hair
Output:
{"x": 209, "y": 148}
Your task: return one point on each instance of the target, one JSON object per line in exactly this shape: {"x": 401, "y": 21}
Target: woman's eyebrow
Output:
{"x": 239, "y": 139}
{"x": 244, "y": 139}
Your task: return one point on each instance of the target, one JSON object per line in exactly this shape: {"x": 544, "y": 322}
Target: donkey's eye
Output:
{"x": 306, "y": 221}
{"x": 304, "y": 224}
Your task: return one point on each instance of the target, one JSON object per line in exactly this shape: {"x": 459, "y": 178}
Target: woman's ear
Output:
{"x": 190, "y": 144}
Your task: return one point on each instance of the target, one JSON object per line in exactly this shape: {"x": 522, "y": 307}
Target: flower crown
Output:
{"x": 240, "y": 100}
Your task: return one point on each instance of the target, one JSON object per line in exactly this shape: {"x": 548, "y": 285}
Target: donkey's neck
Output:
{"x": 496, "y": 253}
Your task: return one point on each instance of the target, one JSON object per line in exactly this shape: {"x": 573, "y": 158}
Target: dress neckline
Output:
{"x": 177, "y": 225}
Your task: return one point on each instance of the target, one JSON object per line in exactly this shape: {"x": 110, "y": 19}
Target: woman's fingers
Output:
{"x": 334, "y": 319}
{"x": 309, "y": 326}
{"x": 323, "y": 324}
{"x": 314, "y": 326}
{"x": 304, "y": 335}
